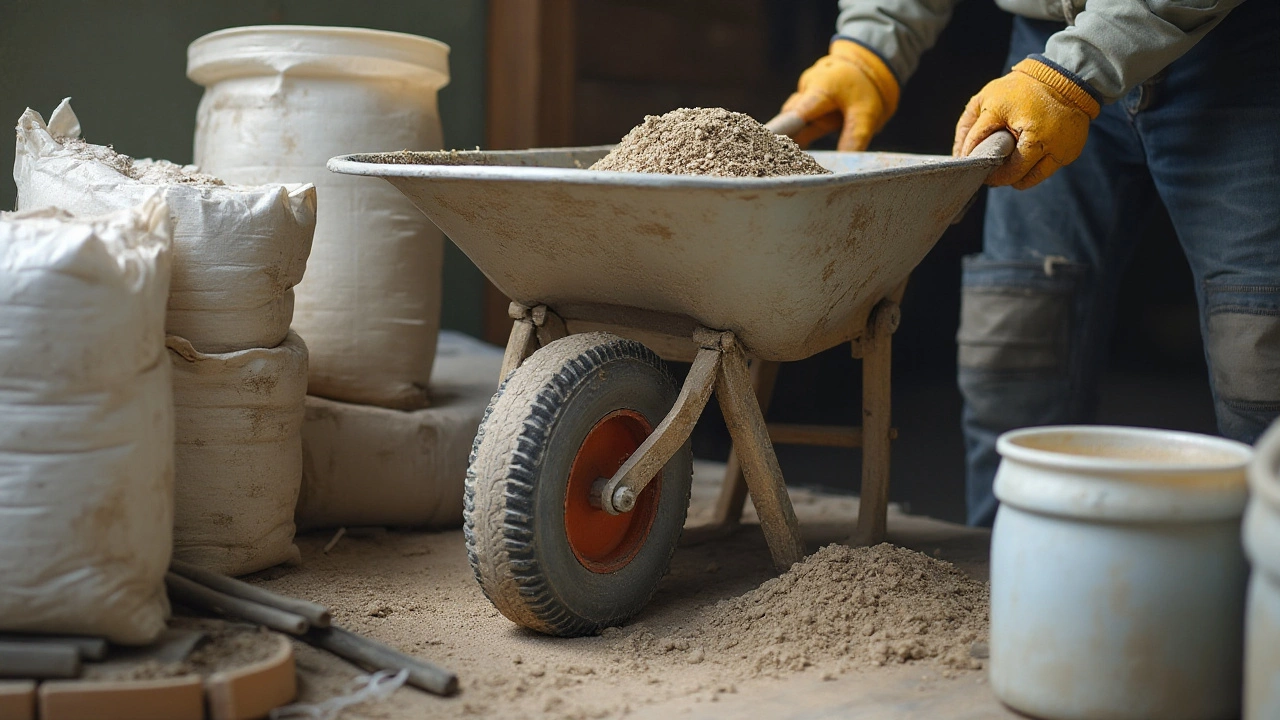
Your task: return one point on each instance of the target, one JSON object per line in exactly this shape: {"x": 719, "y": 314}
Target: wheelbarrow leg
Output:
{"x": 532, "y": 327}
{"x": 720, "y": 361}
{"x": 876, "y": 346}
{"x": 733, "y": 491}
{"x": 759, "y": 464}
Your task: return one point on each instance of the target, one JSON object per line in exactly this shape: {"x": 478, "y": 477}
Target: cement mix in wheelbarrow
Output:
{"x": 708, "y": 141}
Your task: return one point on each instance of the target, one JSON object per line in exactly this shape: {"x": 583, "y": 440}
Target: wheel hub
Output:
{"x": 601, "y": 542}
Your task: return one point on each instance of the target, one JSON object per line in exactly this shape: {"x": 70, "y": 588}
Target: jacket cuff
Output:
{"x": 875, "y": 67}
{"x": 1074, "y": 77}
{"x": 888, "y": 65}
{"x": 1068, "y": 84}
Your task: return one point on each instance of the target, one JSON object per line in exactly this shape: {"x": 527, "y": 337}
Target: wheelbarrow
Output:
{"x": 579, "y": 478}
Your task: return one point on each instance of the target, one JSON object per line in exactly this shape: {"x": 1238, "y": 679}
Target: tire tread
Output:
{"x": 503, "y": 469}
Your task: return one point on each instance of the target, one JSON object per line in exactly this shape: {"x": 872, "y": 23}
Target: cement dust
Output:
{"x": 430, "y": 157}
{"x": 148, "y": 172}
{"x": 415, "y": 591}
{"x": 708, "y": 141}
{"x": 227, "y": 646}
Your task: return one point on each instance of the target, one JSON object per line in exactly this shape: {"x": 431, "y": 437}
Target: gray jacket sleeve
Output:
{"x": 1114, "y": 45}
{"x": 1110, "y": 46}
{"x": 899, "y": 31}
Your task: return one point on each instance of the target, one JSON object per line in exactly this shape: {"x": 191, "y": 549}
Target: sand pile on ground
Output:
{"x": 859, "y": 606}
{"x": 708, "y": 141}
{"x": 416, "y": 592}
{"x": 149, "y": 172}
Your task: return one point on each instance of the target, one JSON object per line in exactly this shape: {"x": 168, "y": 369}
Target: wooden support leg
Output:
{"x": 733, "y": 491}
{"x": 873, "y": 506}
{"x": 523, "y": 340}
{"x": 760, "y": 466}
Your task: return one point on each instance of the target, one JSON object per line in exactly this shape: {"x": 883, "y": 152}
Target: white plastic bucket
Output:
{"x": 279, "y": 102}
{"x": 1117, "y": 576}
{"x": 1262, "y": 614}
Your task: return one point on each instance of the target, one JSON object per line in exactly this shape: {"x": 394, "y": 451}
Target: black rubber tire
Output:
{"x": 519, "y": 470}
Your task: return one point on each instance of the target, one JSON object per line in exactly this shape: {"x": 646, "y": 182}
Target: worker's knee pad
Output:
{"x": 1242, "y": 341}
{"x": 1016, "y": 317}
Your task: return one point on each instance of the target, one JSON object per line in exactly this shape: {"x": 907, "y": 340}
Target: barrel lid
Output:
{"x": 316, "y": 50}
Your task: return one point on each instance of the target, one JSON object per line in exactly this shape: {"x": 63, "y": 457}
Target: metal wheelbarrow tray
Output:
{"x": 579, "y": 480}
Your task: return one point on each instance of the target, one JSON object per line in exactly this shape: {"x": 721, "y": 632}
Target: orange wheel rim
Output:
{"x": 604, "y": 543}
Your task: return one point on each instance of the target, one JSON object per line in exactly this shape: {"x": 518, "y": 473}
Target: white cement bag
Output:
{"x": 367, "y": 465}
{"x": 238, "y": 454}
{"x": 86, "y": 423}
{"x": 280, "y": 101}
{"x": 238, "y": 251}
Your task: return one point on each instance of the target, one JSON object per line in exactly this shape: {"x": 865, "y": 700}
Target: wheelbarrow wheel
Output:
{"x": 543, "y": 554}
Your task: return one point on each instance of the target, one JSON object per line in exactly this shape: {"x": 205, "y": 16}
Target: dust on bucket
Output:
{"x": 1117, "y": 576}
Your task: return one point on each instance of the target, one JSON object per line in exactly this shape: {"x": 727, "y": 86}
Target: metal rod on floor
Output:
{"x": 317, "y": 615}
{"x": 195, "y": 595}
{"x": 371, "y": 653}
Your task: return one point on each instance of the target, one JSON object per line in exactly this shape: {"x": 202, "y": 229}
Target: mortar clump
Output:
{"x": 708, "y": 141}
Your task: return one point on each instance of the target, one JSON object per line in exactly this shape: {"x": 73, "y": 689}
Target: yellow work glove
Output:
{"x": 850, "y": 89}
{"x": 1045, "y": 110}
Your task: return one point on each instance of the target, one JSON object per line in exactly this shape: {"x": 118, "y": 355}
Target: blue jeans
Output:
{"x": 1203, "y": 138}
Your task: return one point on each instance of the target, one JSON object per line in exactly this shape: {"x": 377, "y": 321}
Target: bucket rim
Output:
{"x": 1136, "y": 483}
{"x": 1221, "y": 454}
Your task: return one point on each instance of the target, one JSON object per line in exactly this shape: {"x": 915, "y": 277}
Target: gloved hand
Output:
{"x": 1045, "y": 110}
{"x": 851, "y": 89}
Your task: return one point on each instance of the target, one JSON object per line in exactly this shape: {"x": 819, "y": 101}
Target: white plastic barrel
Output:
{"x": 1262, "y": 616}
{"x": 1117, "y": 576}
{"x": 280, "y": 101}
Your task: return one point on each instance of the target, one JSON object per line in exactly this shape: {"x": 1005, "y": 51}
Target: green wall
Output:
{"x": 123, "y": 63}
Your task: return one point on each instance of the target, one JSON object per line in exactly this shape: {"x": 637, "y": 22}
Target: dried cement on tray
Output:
{"x": 708, "y": 141}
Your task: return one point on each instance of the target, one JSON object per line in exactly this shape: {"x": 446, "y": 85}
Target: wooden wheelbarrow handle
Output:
{"x": 999, "y": 144}
{"x": 787, "y": 123}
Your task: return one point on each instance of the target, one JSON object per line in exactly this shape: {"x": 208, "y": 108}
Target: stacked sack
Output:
{"x": 239, "y": 374}
{"x": 86, "y": 423}
{"x": 386, "y": 437}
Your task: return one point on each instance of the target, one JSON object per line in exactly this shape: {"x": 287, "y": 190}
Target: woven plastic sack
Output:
{"x": 86, "y": 423}
{"x": 238, "y": 250}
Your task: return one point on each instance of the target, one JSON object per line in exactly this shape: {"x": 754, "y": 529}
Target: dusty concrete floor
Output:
{"x": 415, "y": 591}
